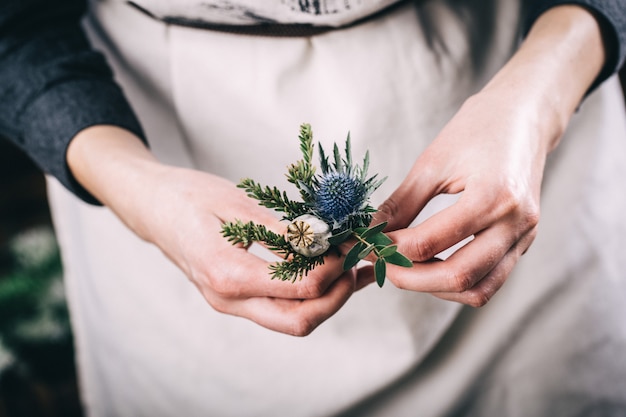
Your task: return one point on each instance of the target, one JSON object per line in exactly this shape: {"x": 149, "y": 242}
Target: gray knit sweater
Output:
{"x": 53, "y": 84}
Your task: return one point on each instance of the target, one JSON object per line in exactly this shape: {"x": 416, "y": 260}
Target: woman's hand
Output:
{"x": 493, "y": 151}
{"x": 181, "y": 211}
{"x": 496, "y": 160}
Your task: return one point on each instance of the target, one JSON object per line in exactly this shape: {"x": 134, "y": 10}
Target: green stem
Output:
{"x": 366, "y": 243}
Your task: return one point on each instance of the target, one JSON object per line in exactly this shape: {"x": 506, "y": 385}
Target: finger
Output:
{"x": 403, "y": 205}
{"x": 240, "y": 274}
{"x": 235, "y": 273}
{"x": 365, "y": 276}
{"x": 463, "y": 269}
{"x": 481, "y": 293}
{"x": 485, "y": 289}
{"x": 296, "y": 317}
{"x": 467, "y": 217}
{"x": 257, "y": 215}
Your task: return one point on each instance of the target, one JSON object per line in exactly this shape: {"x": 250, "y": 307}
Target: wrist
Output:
{"x": 553, "y": 69}
{"x": 115, "y": 166}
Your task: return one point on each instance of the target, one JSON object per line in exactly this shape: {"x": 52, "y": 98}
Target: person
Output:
{"x": 484, "y": 115}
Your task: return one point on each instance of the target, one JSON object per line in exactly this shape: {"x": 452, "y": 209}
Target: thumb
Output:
{"x": 405, "y": 203}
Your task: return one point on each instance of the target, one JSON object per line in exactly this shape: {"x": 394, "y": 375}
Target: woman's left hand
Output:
{"x": 493, "y": 151}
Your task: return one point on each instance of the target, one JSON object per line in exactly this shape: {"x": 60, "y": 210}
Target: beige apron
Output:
{"x": 551, "y": 342}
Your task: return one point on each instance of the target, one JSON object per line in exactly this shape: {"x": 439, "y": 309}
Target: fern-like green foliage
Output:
{"x": 302, "y": 172}
{"x": 273, "y": 198}
{"x": 34, "y": 321}
{"x": 338, "y": 196}
{"x": 295, "y": 265}
{"x": 248, "y": 233}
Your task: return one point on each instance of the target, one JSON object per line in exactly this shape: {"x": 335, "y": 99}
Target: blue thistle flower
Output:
{"x": 338, "y": 196}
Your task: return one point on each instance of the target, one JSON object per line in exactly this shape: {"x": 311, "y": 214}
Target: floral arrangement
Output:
{"x": 334, "y": 208}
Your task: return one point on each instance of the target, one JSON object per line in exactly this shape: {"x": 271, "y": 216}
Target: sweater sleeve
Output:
{"x": 611, "y": 15}
{"x": 53, "y": 85}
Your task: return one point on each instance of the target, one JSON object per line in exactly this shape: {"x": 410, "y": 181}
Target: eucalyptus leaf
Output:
{"x": 380, "y": 271}
{"x": 379, "y": 239}
{"x": 359, "y": 230}
{"x": 368, "y": 249}
{"x": 399, "y": 259}
{"x": 388, "y": 251}
{"x": 374, "y": 230}
{"x": 352, "y": 258}
{"x": 339, "y": 238}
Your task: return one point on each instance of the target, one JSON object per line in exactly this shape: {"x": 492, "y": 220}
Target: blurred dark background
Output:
{"x": 37, "y": 374}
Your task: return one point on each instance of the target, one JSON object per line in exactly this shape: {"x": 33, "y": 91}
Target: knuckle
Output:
{"x": 429, "y": 172}
{"x": 312, "y": 288}
{"x": 224, "y": 287}
{"x": 514, "y": 200}
{"x": 421, "y": 249}
{"x": 388, "y": 209}
{"x": 477, "y": 298}
{"x": 399, "y": 283}
{"x": 460, "y": 281}
{"x": 528, "y": 240}
{"x": 302, "y": 326}
{"x": 510, "y": 196}
{"x": 531, "y": 217}
{"x": 217, "y": 303}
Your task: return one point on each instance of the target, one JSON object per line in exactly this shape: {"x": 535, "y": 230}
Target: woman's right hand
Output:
{"x": 181, "y": 211}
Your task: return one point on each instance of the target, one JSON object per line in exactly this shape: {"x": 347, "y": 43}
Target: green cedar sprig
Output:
{"x": 369, "y": 240}
{"x": 273, "y": 198}
{"x": 295, "y": 265}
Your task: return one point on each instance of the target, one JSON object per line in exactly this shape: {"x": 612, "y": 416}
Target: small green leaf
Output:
{"x": 340, "y": 237}
{"x": 338, "y": 161}
{"x": 379, "y": 239}
{"x": 352, "y": 258}
{"x": 359, "y": 230}
{"x": 348, "y": 152}
{"x": 323, "y": 160}
{"x": 368, "y": 249}
{"x": 380, "y": 271}
{"x": 388, "y": 251}
{"x": 399, "y": 259}
{"x": 366, "y": 164}
{"x": 374, "y": 230}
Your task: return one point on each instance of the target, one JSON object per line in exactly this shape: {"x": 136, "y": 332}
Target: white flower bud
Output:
{"x": 308, "y": 235}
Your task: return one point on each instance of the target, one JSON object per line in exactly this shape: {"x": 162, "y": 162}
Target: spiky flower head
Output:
{"x": 342, "y": 190}
{"x": 338, "y": 196}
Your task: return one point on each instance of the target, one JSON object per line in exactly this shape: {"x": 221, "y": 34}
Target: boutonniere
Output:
{"x": 334, "y": 208}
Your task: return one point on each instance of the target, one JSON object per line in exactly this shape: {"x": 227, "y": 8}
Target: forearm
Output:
{"x": 116, "y": 167}
{"x": 553, "y": 69}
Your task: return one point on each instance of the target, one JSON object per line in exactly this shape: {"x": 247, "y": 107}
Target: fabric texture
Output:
{"x": 53, "y": 84}
{"x": 551, "y": 341}
{"x": 46, "y": 61}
